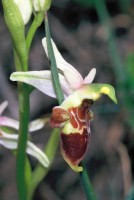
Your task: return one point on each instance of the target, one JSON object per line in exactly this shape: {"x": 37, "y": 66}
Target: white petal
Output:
{"x": 3, "y": 106}
{"x": 34, "y": 151}
{"x": 33, "y": 126}
{"x": 10, "y": 141}
{"x": 67, "y": 90}
{"x": 90, "y": 77}
{"x": 74, "y": 81}
{"x": 37, "y": 124}
{"x": 41, "y": 80}
{"x": 73, "y": 77}
{"x": 9, "y": 122}
{"x": 25, "y": 7}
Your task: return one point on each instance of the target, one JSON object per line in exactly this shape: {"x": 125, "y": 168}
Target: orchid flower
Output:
{"x": 73, "y": 115}
{"x": 10, "y": 141}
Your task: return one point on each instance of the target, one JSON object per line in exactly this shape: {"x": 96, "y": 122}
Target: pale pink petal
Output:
{"x": 73, "y": 77}
{"x": 74, "y": 81}
{"x": 33, "y": 126}
{"x": 41, "y": 80}
{"x": 3, "y": 106}
{"x": 37, "y": 124}
{"x": 9, "y": 122}
{"x": 10, "y": 141}
{"x": 90, "y": 77}
{"x": 67, "y": 90}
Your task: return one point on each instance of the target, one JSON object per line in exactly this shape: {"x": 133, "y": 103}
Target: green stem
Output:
{"x": 54, "y": 69}
{"x": 17, "y": 62}
{"x": 40, "y": 172}
{"x": 23, "y": 169}
{"x": 87, "y": 185}
{"x": 35, "y": 24}
{"x": 23, "y": 131}
{"x": 115, "y": 57}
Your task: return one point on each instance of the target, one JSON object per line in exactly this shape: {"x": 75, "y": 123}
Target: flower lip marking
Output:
{"x": 74, "y": 142}
{"x": 74, "y": 146}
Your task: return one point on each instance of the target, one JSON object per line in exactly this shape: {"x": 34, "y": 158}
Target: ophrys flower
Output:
{"x": 74, "y": 114}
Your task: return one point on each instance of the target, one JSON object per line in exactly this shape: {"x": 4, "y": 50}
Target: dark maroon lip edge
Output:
{"x": 74, "y": 146}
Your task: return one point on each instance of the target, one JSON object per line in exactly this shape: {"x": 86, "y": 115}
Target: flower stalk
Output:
{"x": 24, "y": 109}
{"x": 17, "y": 30}
{"x": 87, "y": 186}
{"x": 38, "y": 19}
{"x": 40, "y": 172}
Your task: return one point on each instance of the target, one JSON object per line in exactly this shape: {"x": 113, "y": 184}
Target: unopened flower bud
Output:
{"x": 41, "y": 5}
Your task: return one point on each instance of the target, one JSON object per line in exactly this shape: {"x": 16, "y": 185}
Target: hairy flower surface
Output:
{"x": 73, "y": 115}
